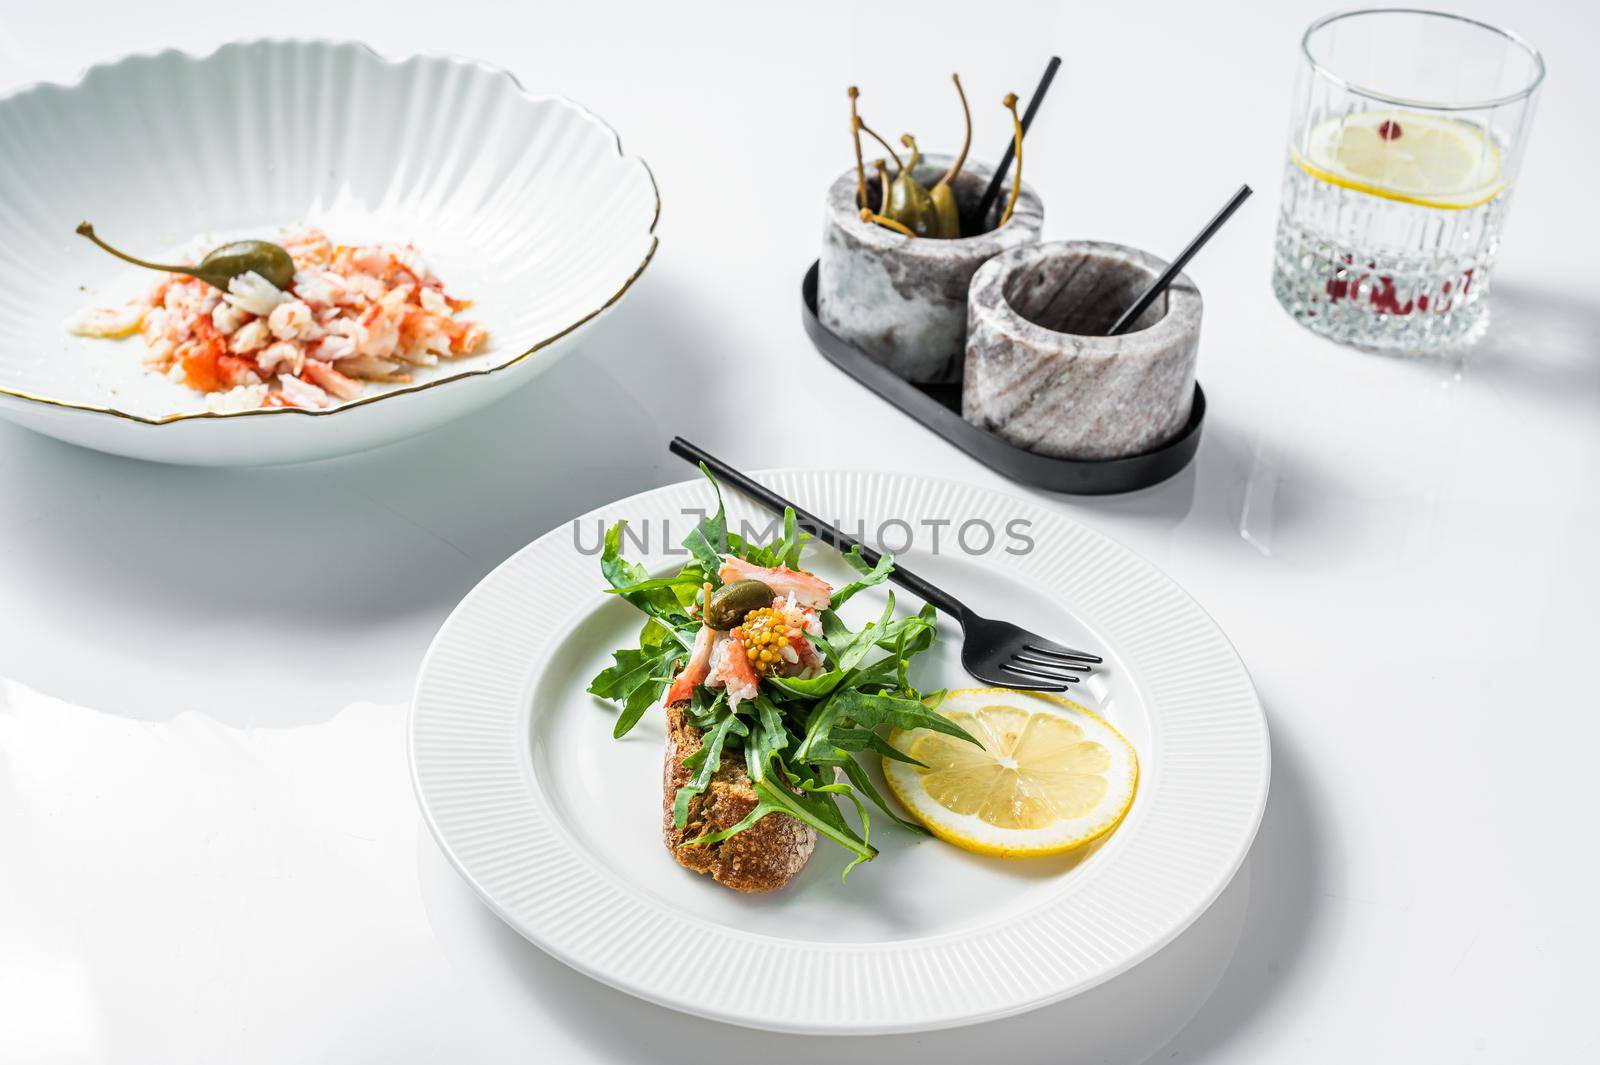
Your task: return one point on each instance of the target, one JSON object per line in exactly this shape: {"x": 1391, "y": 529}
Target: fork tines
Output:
{"x": 1027, "y": 668}
{"x": 1037, "y": 662}
{"x": 1045, "y": 647}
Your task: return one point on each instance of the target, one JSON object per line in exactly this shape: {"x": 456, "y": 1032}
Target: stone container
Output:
{"x": 1041, "y": 372}
{"x": 903, "y": 300}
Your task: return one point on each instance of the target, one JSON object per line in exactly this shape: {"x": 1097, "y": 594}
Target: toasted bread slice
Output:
{"x": 763, "y": 857}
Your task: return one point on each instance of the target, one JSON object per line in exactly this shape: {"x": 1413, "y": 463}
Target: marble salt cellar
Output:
{"x": 903, "y": 300}
{"x": 1040, "y": 371}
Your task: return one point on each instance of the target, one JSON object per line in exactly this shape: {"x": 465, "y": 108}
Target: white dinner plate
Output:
{"x": 523, "y": 203}
{"x": 558, "y": 826}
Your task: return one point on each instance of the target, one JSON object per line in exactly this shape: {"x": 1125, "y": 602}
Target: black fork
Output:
{"x": 995, "y": 652}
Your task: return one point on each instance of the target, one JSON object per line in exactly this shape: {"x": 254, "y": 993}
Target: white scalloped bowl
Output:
{"x": 524, "y": 203}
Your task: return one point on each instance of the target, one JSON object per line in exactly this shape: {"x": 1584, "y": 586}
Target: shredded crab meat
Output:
{"x": 352, "y": 314}
{"x": 242, "y": 397}
{"x": 109, "y": 322}
{"x": 303, "y": 394}
{"x": 720, "y": 659}
{"x": 798, "y": 586}
{"x": 730, "y": 669}
{"x": 292, "y": 320}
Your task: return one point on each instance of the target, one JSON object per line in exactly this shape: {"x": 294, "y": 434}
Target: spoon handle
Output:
{"x": 1159, "y": 285}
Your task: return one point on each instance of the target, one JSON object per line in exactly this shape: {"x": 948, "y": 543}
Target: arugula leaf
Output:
{"x": 770, "y": 735}
{"x": 625, "y": 578}
{"x": 871, "y": 711}
{"x": 824, "y": 648}
{"x": 834, "y": 630}
{"x": 870, "y": 575}
{"x": 752, "y": 553}
{"x": 655, "y": 634}
{"x": 857, "y": 563}
{"x": 794, "y": 541}
{"x": 618, "y": 571}
{"x": 862, "y": 739}
{"x": 808, "y": 687}
{"x": 784, "y": 552}
{"x": 917, "y": 630}
{"x": 854, "y": 650}
{"x": 652, "y": 584}
{"x": 708, "y": 541}
{"x": 863, "y": 783}
{"x": 705, "y": 707}
{"x": 857, "y": 774}
{"x": 630, "y": 668}
{"x": 637, "y": 678}
{"x": 905, "y": 638}
{"x": 869, "y": 851}
{"x": 639, "y": 701}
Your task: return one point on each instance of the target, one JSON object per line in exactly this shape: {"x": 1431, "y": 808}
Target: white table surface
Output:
{"x": 209, "y": 850}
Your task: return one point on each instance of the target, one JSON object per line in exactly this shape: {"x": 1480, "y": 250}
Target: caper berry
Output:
{"x": 909, "y": 202}
{"x": 907, "y": 206}
{"x": 243, "y": 257}
{"x": 223, "y": 264}
{"x": 730, "y": 603}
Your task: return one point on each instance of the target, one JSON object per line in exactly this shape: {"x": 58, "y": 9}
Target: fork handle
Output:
{"x": 814, "y": 525}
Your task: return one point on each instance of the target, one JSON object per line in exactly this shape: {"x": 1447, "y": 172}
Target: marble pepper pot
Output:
{"x": 1042, "y": 374}
{"x": 903, "y": 300}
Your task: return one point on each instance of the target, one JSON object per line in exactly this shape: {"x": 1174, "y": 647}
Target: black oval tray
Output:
{"x": 939, "y": 408}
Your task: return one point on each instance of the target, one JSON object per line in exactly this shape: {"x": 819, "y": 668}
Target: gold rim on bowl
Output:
{"x": 543, "y": 342}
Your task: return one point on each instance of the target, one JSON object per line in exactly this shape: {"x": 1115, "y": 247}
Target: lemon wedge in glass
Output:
{"x": 1050, "y": 776}
{"x": 1410, "y": 156}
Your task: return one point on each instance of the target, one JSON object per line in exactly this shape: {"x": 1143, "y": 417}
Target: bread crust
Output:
{"x": 764, "y": 857}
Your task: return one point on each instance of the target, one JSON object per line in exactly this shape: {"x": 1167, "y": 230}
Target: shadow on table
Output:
{"x": 1241, "y": 485}
{"x": 1280, "y": 491}
{"x": 1542, "y": 344}
{"x": 1209, "y": 982}
{"x": 1287, "y": 872}
{"x": 132, "y": 553}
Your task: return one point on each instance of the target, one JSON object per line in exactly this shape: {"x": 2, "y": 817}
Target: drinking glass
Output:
{"x": 1408, "y": 130}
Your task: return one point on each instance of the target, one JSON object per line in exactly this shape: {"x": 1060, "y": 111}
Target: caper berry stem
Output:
{"x": 221, "y": 265}
{"x": 868, "y": 130}
{"x": 888, "y": 223}
{"x": 966, "y": 141}
{"x": 86, "y": 230}
{"x": 916, "y": 153}
{"x": 855, "y": 135}
{"x": 1016, "y": 177}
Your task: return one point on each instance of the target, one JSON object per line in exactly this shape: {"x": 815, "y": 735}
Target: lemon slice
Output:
{"x": 1406, "y": 155}
{"x": 1049, "y": 777}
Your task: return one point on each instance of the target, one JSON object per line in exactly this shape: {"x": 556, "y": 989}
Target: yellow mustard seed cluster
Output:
{"x": 766, "y": 633}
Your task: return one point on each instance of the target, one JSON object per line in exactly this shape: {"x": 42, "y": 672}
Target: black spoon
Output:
{"x": 1159, "y": 285}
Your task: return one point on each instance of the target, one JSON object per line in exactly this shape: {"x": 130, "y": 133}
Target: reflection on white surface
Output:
{"x": 1260, "y": 492}
{"x": 195, "y": 883}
